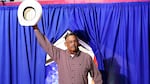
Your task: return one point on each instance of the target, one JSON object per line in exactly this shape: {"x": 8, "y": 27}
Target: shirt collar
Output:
{"x": 77, "y": 54}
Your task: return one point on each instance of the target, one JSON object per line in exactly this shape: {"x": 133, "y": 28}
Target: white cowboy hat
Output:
{"x": 29, "y": 12}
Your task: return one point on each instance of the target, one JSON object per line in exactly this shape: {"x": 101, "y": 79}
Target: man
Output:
{"x": 73, "y": 65}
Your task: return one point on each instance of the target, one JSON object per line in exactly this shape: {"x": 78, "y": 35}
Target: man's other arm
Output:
{"x": 95, "y": 74}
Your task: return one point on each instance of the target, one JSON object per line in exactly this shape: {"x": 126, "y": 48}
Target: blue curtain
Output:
{"x": 118, "y": 34}
{"x": 21, "y": 59}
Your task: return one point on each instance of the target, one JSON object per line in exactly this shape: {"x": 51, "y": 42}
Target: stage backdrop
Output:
{"x": 118, "y": 34}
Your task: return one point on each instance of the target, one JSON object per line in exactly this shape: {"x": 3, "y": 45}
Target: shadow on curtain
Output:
{"x": 118, "y": 34}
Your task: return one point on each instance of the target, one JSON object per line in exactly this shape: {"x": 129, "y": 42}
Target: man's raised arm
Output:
{"x": 46, "y": 45}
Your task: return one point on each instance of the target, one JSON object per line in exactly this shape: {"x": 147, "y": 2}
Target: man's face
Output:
{"x": 72, "y": 44}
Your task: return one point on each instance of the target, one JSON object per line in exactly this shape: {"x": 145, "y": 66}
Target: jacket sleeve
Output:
{"x": 95, "y": 74}
{"x": 53, "y": 51}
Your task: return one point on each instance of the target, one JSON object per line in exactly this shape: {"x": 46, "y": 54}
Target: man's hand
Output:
{"x": 93, "y": 82}
{"x": 35, "y": 27}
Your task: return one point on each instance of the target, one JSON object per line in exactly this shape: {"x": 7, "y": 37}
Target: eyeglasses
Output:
{"x": 72, "y": 41}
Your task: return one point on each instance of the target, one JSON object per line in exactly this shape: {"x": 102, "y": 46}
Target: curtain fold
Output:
{"x": 118, "y": 34}
{"x": 21, "y": 59}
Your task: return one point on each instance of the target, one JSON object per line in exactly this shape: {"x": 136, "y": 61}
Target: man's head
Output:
{"x": 71, "y": 43}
